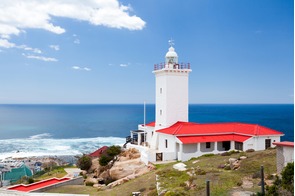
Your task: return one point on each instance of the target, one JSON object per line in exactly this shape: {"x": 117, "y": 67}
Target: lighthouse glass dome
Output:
{"x": 171, "y": 56}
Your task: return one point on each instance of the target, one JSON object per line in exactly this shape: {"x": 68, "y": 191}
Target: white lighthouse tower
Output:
{"x": 171, "y": 90}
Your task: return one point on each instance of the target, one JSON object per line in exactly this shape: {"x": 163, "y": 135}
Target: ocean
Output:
{"x": 36, "y": 130}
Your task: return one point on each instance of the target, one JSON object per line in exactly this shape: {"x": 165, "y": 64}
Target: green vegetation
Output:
{"x": 50, "y": 172}
{"x": 285, "y": 185}
{"x": 193, "y": 180}
{"x": 110, "y": 154}
{"x": 84, "y": 162}
{"x": 222, "y": 180}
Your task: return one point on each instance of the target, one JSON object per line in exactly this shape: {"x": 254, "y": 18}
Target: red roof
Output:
{"x": 291, "y": 144}
{"x": 151, "y": 124}
{"x": 98, "y": 152}
{"x": 188, "y": 128}
{"x": 212, "y": 138}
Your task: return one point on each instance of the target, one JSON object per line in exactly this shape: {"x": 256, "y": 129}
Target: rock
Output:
{"x": 196, "y": 161}
{"x": 125, "y": 168}
{"x": 180, "y": 166}
{"x": 104, "y": 175}
{"x": 243, "y": 157}
{"x": 235, "y": 165}
{"x": 93, "y": 180}
{"x": 247, "y": 183}
{"x": 232, "y": 160}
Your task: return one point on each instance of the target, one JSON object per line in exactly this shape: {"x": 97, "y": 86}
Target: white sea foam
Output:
{"x": 40, "y": 136}
{"x": 40, "y": 145}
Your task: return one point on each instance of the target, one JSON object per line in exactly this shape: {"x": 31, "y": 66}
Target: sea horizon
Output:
{"x": 69, "y": 129}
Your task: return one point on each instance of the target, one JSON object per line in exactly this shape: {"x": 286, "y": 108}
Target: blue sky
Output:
{"x": 72, "y": 51}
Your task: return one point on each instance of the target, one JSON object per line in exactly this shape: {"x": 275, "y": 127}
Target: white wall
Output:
{"x": 172, "y": 100}
{"x": 288, "y": 152}
{"x": 171, "y": 143}
{"x": 258, "y": 143}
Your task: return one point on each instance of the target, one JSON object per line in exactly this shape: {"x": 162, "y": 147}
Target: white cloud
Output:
{"x": 6, "y": 44}
{"x": 76, "y": 41}
{"x": 81, "y": 68}
{"x": 42, "y": 58}
{"x": 37, "y": 14}
{"x": 123, "y": 65}
{"x": 54, "y": 47}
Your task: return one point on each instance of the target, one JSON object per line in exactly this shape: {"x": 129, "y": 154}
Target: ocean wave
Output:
{"x": 40, "y": 136}
{"x": 40, "y": 146}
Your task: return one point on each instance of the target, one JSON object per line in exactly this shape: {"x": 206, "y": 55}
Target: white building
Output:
{"x": 172, "y": 137}
{"x": 285, "y": 154}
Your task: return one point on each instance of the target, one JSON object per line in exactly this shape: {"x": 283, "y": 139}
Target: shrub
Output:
{"x": 84, "y": 162}
{"x": 250, "y": 150}
{"x": 113, "y": 151}
{"x": 89, "y": 183}
{"x": 104, "y": 160}
{"x": 288, "y": 176}
{"x": 31, "y": 180}
{"x": 208, "y": 155}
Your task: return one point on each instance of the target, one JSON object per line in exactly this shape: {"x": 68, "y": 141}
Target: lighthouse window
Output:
{"x": 160, "y": 90}
{"x": 160, "y": 112}
{"x": 166, "y": 143}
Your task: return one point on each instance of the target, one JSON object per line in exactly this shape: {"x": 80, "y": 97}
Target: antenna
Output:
{"x": 171, "y": 42}
{"x": 144, "y": 111}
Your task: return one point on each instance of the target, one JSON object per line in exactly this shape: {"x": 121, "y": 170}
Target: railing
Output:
{"x": 174, "y": 66}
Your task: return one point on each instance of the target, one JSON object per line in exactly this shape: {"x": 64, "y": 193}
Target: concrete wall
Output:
{"x": 75, "y": 181}
{"x": 285, "y": 155}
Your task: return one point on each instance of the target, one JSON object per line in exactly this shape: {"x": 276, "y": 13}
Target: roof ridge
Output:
{"x": 176, "y": 130}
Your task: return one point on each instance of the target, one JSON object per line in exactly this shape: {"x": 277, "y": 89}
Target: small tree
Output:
{"x": 84, "y": 162}
{"x": 113, "y": 151}
{"x": 109, "y": 155}
{"x": 284, "y": 186}
{"x": 287, "y": 177}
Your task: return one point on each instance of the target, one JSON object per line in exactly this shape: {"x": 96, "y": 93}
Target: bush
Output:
{"x": 104, "y": 160}
{"x": 84, "y": 162}
{"x": 287, "y": 177}
{"x": 31, "y": 180}
{"x": 89, "y": 183}
{"x": 113, "y": 151}
{"x": 250, "y": 150}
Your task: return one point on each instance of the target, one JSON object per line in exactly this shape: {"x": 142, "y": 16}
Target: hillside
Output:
{"x": 223, "y": 179}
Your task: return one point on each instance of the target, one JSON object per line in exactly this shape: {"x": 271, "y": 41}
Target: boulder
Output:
{"x": 243, "y": 157}
{"x": 122, "y": 169}
{"x": 232, "y": 160}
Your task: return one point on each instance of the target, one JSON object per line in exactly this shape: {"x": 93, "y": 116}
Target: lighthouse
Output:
{"x": 171, "y": 90}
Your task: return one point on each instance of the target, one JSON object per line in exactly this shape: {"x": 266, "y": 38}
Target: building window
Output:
{"x": 208, "y": 144}
{"x": 166, "y": 143}
{"x": 161, "y": 112}
{"x": 160, "y": 90}
{"x": 239, "y": 146}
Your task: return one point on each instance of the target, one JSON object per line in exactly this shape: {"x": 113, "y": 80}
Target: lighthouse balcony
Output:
{"x": 161, "y": 66}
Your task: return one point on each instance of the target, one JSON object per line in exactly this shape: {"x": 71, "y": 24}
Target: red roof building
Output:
{"x": 98, "y": 152}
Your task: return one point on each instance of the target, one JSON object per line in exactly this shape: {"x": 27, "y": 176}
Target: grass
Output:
{"x": 222, "y": 182}
{"x": 57, "y": 172}
{"x": 145, "y": 184}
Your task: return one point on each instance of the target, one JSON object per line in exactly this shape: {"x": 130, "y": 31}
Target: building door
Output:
{"x": 267, "y": 143}
{"x": 159, "y": 156}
